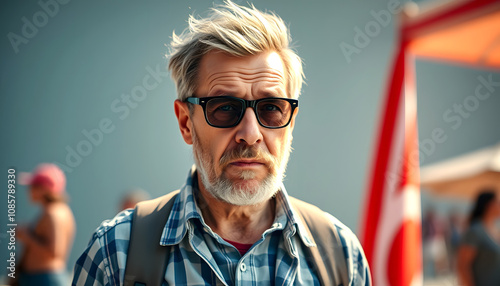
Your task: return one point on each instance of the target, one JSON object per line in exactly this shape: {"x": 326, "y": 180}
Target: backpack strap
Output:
{"x": 328, "y": 256}
{"x": 147, "y": 226}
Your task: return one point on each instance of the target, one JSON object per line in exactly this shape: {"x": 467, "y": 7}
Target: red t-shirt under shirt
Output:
{"x": 242, "y": 248}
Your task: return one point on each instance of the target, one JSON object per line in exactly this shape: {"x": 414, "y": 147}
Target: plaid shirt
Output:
{"x": 199, "y": 256}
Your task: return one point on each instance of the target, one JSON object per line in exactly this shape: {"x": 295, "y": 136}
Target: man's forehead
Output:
{"x": 219, "y": 61}
{"x": 218, "y": 68}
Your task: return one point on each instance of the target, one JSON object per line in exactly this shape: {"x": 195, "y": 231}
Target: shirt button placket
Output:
{"x": 242, "y": 275}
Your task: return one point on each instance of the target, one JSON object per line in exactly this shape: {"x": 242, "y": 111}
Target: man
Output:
{"x": 48, "y": 243}
{"x": 232, "y": 223}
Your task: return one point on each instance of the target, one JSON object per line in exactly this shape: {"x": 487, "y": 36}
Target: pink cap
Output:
{"x": 47, "y": 175}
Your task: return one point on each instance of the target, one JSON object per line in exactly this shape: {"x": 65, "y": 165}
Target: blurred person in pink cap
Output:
{"x": 47, "y": 243}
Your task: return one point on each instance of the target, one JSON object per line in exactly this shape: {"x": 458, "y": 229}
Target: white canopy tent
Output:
{"x": 465, "y": 175}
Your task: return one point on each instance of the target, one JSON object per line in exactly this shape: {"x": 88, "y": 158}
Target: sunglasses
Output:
{"x": 227, "y": 111}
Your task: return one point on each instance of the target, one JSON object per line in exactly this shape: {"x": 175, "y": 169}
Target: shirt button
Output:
{"x": 243, "y": 267}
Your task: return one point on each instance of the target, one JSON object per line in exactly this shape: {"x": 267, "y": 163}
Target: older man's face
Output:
{"x": 244, "y": 164}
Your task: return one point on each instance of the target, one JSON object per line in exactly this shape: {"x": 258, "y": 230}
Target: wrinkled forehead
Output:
{"x": 217, "y": 66}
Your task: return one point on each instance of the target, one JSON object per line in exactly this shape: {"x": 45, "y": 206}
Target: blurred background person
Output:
{"x": 433, "y": 243}
{"x": 47, "y": 243}
{"x": 132, "y": 197}
{"x": 453, "y": 235}
{"x": 478, "y": 260}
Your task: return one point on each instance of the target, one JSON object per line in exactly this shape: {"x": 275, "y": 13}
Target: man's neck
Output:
{"x": 243, "y": 224}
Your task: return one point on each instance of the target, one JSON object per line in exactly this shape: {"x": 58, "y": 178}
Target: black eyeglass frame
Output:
{"x": 294, "y": 103}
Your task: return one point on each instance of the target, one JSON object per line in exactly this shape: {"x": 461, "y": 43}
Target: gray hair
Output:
{"x": 239, "y": 31}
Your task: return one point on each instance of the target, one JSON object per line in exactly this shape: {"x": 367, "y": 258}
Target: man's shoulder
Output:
{"x": 318, "y": 220}
{"x": 121, "y": 222}
{"x": 327, "y": 218}
{"x": 328, "y": 229}
{"x": 104, "y": 258}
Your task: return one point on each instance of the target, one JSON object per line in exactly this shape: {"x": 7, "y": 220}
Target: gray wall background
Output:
{"x": 65, "y": 78}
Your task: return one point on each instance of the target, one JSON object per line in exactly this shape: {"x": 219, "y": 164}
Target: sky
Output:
{"x": 69, "y": 69}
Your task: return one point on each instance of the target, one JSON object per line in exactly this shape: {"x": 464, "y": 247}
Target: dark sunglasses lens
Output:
{"x": 223, "y": 112}
{"x": 274, "y": 112}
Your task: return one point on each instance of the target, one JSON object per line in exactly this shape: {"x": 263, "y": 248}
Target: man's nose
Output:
{"x": 249, "y": 128}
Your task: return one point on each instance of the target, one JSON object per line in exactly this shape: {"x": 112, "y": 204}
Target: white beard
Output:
{"x": 224, "y": 189}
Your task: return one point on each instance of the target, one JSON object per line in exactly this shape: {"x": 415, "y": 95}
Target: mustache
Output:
{"x": 243, "y": 151}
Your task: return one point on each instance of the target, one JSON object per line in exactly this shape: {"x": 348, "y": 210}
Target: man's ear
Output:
{"x": 184, "y": 119}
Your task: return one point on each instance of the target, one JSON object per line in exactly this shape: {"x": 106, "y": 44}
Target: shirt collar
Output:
{"x": 294, "y": 222}
{"x": 185, "y": 208}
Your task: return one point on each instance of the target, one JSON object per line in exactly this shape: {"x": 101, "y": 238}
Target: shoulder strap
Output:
{"x": 147, "y": 259}
{"x": 328, "y": 255}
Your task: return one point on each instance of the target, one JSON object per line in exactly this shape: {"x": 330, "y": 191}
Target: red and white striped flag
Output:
{"x": 391, "y": 229}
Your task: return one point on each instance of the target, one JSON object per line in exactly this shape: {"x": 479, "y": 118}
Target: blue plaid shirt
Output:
{"x": 199, "y": 256}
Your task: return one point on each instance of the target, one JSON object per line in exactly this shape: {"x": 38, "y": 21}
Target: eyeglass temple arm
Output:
{"x": 193, "y": 100}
